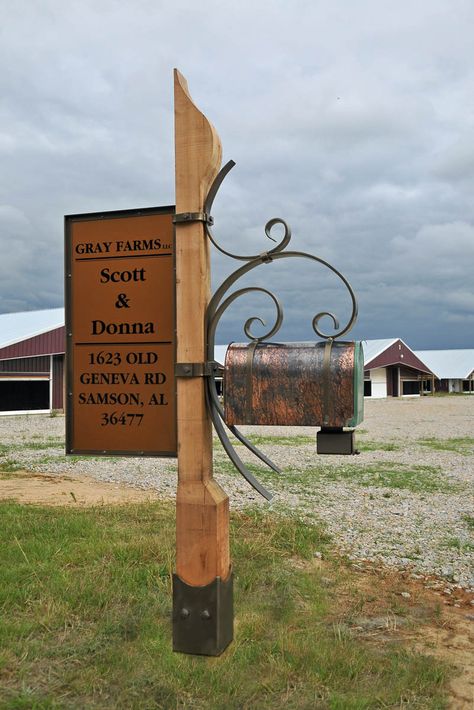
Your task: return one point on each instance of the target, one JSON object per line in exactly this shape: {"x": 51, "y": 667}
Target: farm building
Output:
{"x": 32, "y": 354}
{"x": 454, "y": 369}
{"x": 32, "y": 346}
{"x": 392, "y": 369}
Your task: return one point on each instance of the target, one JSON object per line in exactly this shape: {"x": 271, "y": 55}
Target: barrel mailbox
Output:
{"x": 298, "y": 384}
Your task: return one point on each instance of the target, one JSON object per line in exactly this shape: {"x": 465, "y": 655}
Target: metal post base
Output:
{"x": 202, "y": 617}
{"x": 335, "y": 441}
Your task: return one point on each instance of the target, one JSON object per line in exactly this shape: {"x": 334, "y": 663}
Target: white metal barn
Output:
{"x": 32, "y": 345}
{"x": 453, "y": 368}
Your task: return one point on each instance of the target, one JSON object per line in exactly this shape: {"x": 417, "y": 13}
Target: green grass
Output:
{"x": 260, "y": 440}
{"x": 464, "y": 445}
{"x": 271, "y": 440}
{"x": 71, "y": 458}
{"x": 85, "y": 600}
{"x": 384, "y": 474}
{"x": 469, "y": 521}
{"x": 31, "y": 446}
{"x": 51, "y": 443}
{"x": 455, "y": 543}
{"x": 268, "y": 440}
{"x": 363, "y": 446}
{"x": 9, "y": 466}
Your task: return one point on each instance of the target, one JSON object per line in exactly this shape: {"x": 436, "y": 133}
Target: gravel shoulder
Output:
{"x": 406, "y": 501}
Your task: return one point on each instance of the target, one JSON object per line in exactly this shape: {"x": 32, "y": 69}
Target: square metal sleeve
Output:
{"x": 335, "y": 441}
{"x": 202, "y": 616}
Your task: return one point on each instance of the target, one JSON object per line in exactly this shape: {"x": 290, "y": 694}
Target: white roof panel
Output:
{"x": 448, "y": 364}
{"x": 15, "y": 327}
{"x": 374, "y": 348}
{"x": 219, "y": 353}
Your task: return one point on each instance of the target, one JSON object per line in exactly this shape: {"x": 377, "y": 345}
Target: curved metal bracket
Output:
{"x": 215, "y": 411}
{"x": 239, "y": 257}
{"x": 218, "y": 180}
{"x": 219, "y": 304}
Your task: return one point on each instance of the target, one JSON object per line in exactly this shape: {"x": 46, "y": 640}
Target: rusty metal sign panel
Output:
{"x": 120, "y": 330}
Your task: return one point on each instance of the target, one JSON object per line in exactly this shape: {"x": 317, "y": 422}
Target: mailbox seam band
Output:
{"x": 326, "y": 375}
{"x": 249, "y": 384}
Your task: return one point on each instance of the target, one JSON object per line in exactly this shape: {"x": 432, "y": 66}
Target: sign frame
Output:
{"x": 71, "y": 348}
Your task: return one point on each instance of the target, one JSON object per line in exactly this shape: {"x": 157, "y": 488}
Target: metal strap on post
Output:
{"x": 188, "y": 217}
{"x": 198, "y": 369}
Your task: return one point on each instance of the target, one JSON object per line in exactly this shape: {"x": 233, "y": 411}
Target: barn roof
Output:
{"x": 449, "y": 364}
{"x": 373, "y": 348}
{"x": 15, "y": 327}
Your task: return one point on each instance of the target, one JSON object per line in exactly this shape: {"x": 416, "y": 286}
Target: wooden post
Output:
{"x": 203, "y": 571}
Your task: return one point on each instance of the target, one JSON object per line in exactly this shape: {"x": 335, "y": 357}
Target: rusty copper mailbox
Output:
{"x": 297, "y": 384}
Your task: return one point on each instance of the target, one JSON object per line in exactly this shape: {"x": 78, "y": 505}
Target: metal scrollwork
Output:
{"x": 268, "y": 227}
{"x": 219, "y": 303}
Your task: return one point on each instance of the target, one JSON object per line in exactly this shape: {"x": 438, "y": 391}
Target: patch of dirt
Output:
{"x": 43, "y": 489}
{"x": 453, "y": 641}
{"x": 386, "y": 605}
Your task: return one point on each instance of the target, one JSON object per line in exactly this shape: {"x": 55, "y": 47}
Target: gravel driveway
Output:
{"x": 405, "y": 501}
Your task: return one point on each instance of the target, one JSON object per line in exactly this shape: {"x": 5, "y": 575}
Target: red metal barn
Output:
{"x": 32, "y": 354}
{"x": 32, "y": 347}
{"x": 392, "y": 369}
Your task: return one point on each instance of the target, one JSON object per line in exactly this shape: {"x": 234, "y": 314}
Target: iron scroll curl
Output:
{"x": 219, "y": 303}
{"x": 268, "y": 227}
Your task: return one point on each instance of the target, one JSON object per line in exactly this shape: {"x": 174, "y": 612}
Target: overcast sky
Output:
{"x": 354, "y": 121}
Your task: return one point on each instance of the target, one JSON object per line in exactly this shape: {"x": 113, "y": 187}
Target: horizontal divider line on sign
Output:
{"x": 122, "y": 256}
{"x": 131, "y": 342}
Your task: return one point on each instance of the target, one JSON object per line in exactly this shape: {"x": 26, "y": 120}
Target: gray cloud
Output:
{"x": 353, "y": 121}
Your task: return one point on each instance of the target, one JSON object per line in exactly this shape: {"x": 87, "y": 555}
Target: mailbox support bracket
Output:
{"x": 222, "y": 299}
{"x": 202, "y": 616}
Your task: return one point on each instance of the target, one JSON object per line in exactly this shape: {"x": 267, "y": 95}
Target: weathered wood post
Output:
{"x": 202, "y": 585}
